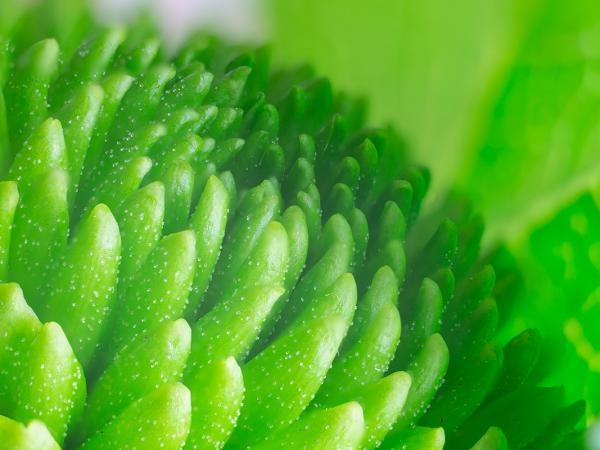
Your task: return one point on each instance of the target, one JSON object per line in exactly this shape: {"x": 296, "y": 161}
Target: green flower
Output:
{"x": 201, "y": 252}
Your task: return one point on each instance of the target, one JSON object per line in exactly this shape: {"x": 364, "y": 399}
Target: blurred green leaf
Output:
{"x": 540, "y": 146}
{"x": 562, "y": 294}
{"x": 429, "y": 67}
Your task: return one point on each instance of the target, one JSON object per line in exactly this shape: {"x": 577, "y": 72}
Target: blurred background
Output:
{"x": 500, "y": 99}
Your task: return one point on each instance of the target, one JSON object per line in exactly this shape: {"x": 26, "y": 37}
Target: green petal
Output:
{"x": 367, "y": 360}
{"x": 44, "y": 150}
{"x": 521, "y": 415}
{"x": 390, "y": 226}
{"x": 85, "y": 282}
{"x": 299, "y": 177}
{"x": 232, "y": 326}
{"x": 558, "y": 429}
{"x": 19, "y": 326}
{"x": 258, "y": 207}
{"x": 119, "y": 184}
{"x": 468, "y": 382}
{"x": 186, "y": 92}
{"x": 121, "y": 168}
{"x": 419, "y": 438}
{"x": 424, "y": 321}
{"x": 6, "y": 153}
{"x": 143, "y": 55}
{"x": 50, "y": 386}
{"x": 339, "y": 427}
{"x": 79, "y": 119}
{"x": 340, "y": 200}
{"x": 34, "y": 436}
{"x": 493, "y": 439}
{"x": 520, "y": 356}
{"x": 27, "y": 90}
{"x": 392, "y": 254}
{"x": 427, "y": 373}
{"x": 148, "y": 361}
{"x": 295, "y": 227}
{"x": 39, "y": 236}
{"x": 338, "y": 299}
{"x": 141, "y": 101}
{"x": 228, "y": 90}
{"x": 161, "y": 419}
{"x": 265, "y": 265}
{"x": 140, "y": 220}
{"x": 335, "y": 254}
{"x": 167, "y": 277}
{"x": 89, "y": 64}
{"x": 382, "y": 402}
{"x": 208, "y": 223}
{"x": 360, "y": 233}
{"x": 384, "y": 289}
{"x": 114, "y": 86}
{"x": 190, "y": 149}
{"x": 469, "y": 296}
{"x": 178, "y": 181}
{"x": 311, "y": 207}
{"x": 226, "y": 151}
{"x": 282, "y": 379}
{"x": 9, "y": 197}
{"x": 217, "y": 394}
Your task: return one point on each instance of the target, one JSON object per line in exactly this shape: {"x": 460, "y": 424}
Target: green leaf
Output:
{"x": 552, "y": 157}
